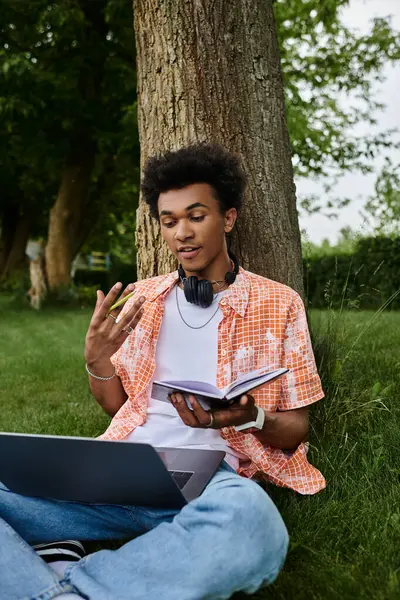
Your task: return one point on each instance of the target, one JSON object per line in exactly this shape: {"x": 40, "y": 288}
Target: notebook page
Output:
{"x": 247, "y": 377}
{"x": 193, "y": 387}
{"x": 241, "y": 388}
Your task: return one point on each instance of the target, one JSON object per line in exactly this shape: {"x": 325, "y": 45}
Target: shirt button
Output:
{"x": 223, "y": 352}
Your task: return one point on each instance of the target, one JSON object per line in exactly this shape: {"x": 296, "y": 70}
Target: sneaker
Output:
{"x": 70, "y": 550}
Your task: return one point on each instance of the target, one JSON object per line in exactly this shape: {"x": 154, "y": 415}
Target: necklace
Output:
{"x": 181, "y": 316}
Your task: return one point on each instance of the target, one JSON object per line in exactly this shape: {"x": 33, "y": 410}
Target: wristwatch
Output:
{"x": 257, "y": 424}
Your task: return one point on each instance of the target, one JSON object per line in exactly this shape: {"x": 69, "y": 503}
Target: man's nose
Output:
{"x": 184, "y": 230}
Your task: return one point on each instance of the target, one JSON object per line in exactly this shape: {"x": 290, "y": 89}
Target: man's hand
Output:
{"x": 286, "y": 429}
{"x": 105, "y": 336}
{"x": 237, "y": 414}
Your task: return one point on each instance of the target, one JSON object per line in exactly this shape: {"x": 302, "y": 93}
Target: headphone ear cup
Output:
{"x": 186, "y": 290}
{"x": 190, "y": 289}
{"x": 205, "y": 293}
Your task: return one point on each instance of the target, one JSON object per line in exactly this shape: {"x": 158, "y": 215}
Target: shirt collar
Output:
{"x": 236, "y": 296}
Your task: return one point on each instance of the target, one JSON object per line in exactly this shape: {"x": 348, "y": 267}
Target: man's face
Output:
{"x": 193, "y": 226}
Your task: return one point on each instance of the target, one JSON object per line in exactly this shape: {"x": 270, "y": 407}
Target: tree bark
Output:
{"x": 97, "y": 203}
{"x": 209, "y": 70}
{"x": 15, "y": 231}
{"x": 38, "y": 289}
{"x": 66, "y": 217}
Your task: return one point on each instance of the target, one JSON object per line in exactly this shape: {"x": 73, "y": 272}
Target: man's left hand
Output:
{"x": 238, "y": 413}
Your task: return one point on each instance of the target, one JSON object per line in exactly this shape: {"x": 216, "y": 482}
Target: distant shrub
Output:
{"x": 364, "y": 279}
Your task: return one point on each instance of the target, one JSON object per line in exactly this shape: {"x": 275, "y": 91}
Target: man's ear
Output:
{"x": 230, "y": 219}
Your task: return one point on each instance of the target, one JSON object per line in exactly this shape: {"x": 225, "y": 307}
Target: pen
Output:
{"x": 122, "y": 301}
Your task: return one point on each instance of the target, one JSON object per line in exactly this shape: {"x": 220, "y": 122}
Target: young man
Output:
{"x": 232, "y": 537}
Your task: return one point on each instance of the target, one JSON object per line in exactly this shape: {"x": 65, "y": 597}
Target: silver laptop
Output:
{"x": 98, "y": 471}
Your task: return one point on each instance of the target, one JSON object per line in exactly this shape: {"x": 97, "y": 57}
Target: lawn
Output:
{"x": 345, "y": 541}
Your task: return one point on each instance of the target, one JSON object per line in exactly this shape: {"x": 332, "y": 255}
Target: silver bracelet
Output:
{"x": 97, "y": 376}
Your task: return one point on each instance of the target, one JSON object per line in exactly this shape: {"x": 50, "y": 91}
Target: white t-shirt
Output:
{"x": 184, "y": 353}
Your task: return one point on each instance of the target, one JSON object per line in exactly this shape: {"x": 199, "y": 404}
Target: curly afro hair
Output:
{"x": 197, "y": 163}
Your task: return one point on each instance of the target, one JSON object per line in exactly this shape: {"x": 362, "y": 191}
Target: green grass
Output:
{"x": 345, "y": 541}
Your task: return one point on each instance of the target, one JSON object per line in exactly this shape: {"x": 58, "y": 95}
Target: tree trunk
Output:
{"x": 14, "y": 236}
{"x": 210, "y": 71}
{"x": 66, "y": 217}
{"x": 97, "y": 203}
{"x": 38, "y": 289}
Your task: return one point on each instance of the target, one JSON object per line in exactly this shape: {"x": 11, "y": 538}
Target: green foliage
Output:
{"x": 332, "y": 76}
{"x": 330, "y": 73}
{"x": 367, "y": 277}
{"x": 65, "y": 68}
{"x": 72, "y": 297}
{"x": 383, "y": 208}
{"x": 345, "y": 244}
{"x": 122, "y": 271}
{"x": 87, "y": 295}
{"x": 88, "y": 278}
{"x": 15, "y": 287}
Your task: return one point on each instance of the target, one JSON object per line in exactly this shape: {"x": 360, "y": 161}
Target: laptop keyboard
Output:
{"x": 181, "y": 477}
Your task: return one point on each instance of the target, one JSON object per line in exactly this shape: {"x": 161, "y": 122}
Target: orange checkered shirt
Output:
{"x": 263, "y": 326}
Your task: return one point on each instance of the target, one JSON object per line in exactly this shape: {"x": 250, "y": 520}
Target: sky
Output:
{"x": 355, "y": 185}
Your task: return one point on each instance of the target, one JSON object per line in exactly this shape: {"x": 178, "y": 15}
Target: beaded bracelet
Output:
{"x": 97, "y": 376}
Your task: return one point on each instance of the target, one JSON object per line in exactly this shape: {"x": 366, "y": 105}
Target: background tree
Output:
{"x": 331, "y": 78}
{"x": 329, "y": 73}
{"x": 30, "y": 150}
{"x": 211, "y": 71}
{"x": 80, "y": 58}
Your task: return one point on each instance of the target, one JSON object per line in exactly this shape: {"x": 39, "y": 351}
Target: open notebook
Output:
{"x": 210, "y": 394}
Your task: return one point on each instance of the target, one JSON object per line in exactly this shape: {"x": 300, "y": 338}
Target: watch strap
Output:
{"x": 257, "y": 424}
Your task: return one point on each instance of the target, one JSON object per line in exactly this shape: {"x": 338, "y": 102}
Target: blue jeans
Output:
{"x": 232, "y": 538}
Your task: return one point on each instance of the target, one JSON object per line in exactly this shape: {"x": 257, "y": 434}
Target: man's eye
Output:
{"x": 169, "y": 223}
{"x": 197, "y": 219}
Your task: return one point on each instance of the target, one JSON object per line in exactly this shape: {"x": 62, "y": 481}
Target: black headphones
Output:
{"x": 200, "y": 291}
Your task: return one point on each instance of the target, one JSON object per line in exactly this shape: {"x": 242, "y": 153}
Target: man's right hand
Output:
{"x": 105, "y": 336}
